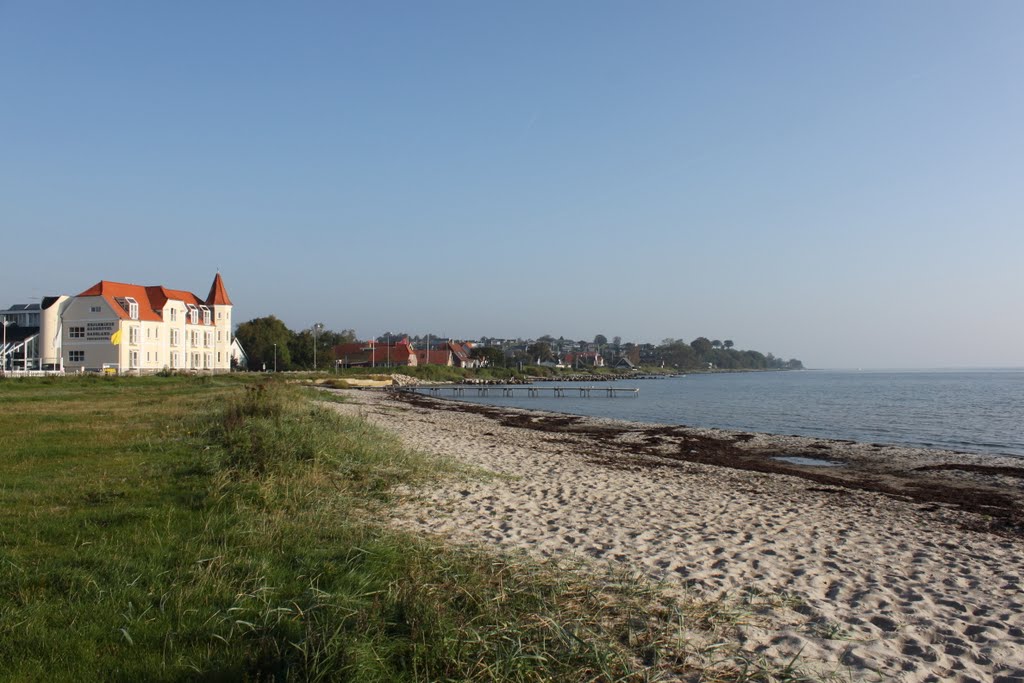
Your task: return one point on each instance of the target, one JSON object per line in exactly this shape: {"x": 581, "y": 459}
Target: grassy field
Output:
{"x": 215, "y": 528}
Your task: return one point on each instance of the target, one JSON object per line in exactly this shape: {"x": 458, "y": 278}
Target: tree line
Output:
{"x": 703, "y": 352}
{"x": 268, "y": 339}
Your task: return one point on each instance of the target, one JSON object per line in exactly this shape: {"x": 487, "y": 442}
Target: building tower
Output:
{"x": 220, "y": 306}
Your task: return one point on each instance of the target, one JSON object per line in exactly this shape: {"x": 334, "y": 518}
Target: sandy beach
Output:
{"x": 898, "y": 564}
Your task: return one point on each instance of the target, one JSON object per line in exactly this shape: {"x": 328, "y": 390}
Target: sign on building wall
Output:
{"x": 99, "y": 331}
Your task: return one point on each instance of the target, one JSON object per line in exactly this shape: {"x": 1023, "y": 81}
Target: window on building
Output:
{"x": 148, "y": 332}
{"x": 76, "y": 332}
{"x": 174, "y": 337}
{"x": 133, "y": 359}
{"x": 218, "y": 358}
{"x": 220, "y": 314}
{"x": 76, "y": 356}
{"x": 193, "y": 314}
{"x": 147, "y": 357}
{"x": 206, "y": 315}
{"x": 174, "y": 314}
{"x": 218, "y": 336}
{"x": 174, "y": 359}
{"x": 206, "y": 338}
{"x": 133, "y": 335}
{"x": 133, "y": 307}
{"x": 94, "y": 309}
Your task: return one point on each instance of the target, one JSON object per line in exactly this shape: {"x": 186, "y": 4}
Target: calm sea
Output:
{"x": 980, "y": 411}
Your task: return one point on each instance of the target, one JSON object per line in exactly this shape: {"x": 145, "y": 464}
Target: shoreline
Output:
{"x": 905, "y": 562}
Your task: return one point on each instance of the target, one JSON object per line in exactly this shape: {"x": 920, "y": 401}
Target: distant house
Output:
{"x": 624, "y": 363}
{"x": 591, "y": 359}
{"x": 374, "y": 354}
{"x": 461, "y": 355}
{"x": 434, "y": 357}
{"x": 239, "y": 358}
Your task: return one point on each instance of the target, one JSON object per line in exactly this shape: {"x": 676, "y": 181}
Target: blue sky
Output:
{"x": 841, "y": 183}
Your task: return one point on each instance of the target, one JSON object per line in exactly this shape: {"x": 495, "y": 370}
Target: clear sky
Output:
{"x": 837, "y": 182}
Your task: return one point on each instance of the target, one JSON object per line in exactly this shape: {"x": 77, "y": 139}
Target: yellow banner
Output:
{"x": 115, "y": 338}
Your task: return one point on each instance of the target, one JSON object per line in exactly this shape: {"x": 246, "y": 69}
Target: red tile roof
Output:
{"x": 434, "y": 357}
{"x": 375, "y": 353}
{"x": 151, "y": 299}
{"x": 218, "y": 294}
{"x": 459, "y": 350}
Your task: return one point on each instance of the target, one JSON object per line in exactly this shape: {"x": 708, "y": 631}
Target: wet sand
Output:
{"x": 896, "y": 564}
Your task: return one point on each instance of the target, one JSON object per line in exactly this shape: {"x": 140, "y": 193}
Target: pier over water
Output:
{"x": 521, "y": 390}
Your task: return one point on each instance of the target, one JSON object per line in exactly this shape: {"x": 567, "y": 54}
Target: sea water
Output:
{"x": 979, "y": 411}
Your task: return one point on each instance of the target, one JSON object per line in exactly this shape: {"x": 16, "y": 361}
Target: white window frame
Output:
{"x": 174, "y": 314}
{"x": 206, "y": 314}
{"x": 133, "y": 334}
{"x": 193, "y": 314}
{"x": 133, "y": 307}
{"x": 174, "y": 337}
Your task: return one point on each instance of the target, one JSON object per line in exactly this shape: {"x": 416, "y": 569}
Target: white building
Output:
{"x": 117, "y": 327}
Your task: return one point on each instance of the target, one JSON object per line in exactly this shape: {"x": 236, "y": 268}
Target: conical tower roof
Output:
{"x": 218, "y": 295}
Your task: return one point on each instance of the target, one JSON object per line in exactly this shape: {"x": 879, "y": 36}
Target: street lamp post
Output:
{"x": 275, "y": 357}
{"x": 317, "y": 327}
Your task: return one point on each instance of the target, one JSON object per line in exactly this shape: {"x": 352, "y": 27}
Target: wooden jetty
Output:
{"x": 521, "y": 390}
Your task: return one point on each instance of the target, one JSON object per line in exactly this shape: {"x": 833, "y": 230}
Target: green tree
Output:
{"x": 301, "y": 348}
{"x": 701, "y": 346}
{"x": 728, "y": 343}
{"x": 600, "y": 340}
{"x": 259, "y": 336}
{"x": 491, "y": 355}
{"x": 716, "y": 343}
{"x": 540, "y": 351}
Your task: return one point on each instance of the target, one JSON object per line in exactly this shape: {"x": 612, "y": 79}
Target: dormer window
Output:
{"x": 193, "y": 314}
{"x": 133, "y": 307}
{"x": 206, "y": 315}
{"x": 174, "y": 314}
